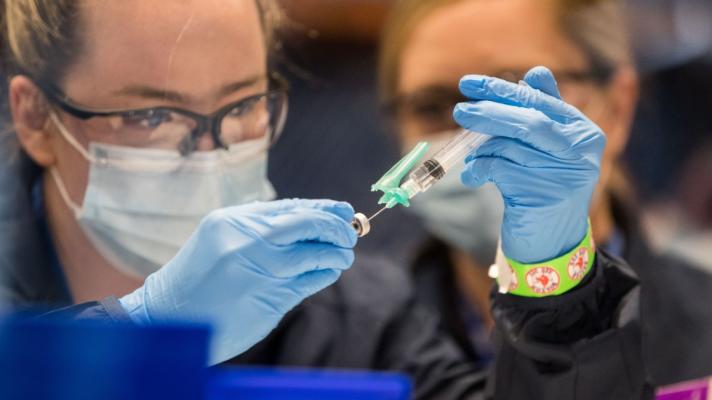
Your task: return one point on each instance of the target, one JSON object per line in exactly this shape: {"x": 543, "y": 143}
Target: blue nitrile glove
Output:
{"x": 544, "y": 157}
{"x": 245, "y": 267}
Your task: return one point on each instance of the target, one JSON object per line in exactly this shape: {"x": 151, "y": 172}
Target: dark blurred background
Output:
{"x": 336, "y": 143}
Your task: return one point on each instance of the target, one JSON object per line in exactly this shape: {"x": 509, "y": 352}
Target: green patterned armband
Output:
{"x": 550, "y": 278}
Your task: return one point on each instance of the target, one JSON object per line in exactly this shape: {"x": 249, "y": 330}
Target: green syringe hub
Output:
{"x": 390, "y": 183}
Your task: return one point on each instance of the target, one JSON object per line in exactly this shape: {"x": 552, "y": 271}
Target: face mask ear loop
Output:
{"x": 63, "y": 192}
{"x": 70, "y": 139}
{"x": 55, "y": 173}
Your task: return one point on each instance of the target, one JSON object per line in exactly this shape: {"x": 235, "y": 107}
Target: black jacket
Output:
{"x": 674, "y": 306}
{"x": 582, "y": 345}
{"x": 576, "y": 346}
{"x": 590, "y": 343}
{"x": 664, "y": 323}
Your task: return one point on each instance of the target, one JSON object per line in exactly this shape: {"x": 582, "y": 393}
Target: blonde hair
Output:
{"x": 597, "y": 27}
{"x": 40, "y": 37}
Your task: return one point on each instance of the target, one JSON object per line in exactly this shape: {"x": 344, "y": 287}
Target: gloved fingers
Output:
{"x": 309, "y": 225}
{"x": 313, "y": 282}
{"x": 543, "y": 79}
{"x": 480, "y": 87}
{"x": 341, "y": 209}
{"x": 518, "y": 152}
{"x": 498, "y": 170}
{"x": 297, "y": 259}
{"x": 517, "y": 162}
{"x": 477, "y": 172}
{"x": 527, "y": 125}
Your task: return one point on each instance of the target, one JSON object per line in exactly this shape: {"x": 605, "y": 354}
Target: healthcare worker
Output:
{"x": 139, "y": 118}
{"x": 142, "y": 119}
{"x": 428, "y": 46}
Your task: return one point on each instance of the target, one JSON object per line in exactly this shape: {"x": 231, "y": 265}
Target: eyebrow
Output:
{"x": 432, "y": 90}
{"x": 153, "y": 93}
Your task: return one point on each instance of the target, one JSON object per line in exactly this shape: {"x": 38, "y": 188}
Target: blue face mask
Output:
{"x": 466, "y": 219}
{"x": 142, "y": 205}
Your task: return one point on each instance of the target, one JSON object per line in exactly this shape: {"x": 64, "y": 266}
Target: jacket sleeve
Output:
{"x": 108, "y": 310}
{"x": 412, "y": 343}
{"x": 581, "y": 345}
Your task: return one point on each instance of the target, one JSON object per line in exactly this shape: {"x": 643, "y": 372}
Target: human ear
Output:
{"x": 30, "y": 115}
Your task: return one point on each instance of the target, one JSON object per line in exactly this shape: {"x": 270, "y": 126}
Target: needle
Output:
{"x": 378, "y": 213}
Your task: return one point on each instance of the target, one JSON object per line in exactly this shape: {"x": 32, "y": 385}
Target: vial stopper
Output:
{"x": 361, "y": 224}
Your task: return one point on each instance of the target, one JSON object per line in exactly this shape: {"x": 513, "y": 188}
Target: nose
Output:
{"x": 205, "y": 142}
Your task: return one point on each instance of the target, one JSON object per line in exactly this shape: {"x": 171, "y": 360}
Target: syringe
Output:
{"x": 425, "y": 176}
{"x": 435, "y": 168}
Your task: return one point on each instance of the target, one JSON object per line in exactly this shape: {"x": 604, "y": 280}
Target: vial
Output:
{"x": 361, "y": 224}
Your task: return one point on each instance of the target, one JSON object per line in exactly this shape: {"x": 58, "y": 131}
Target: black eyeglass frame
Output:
{"x": 598, "y": 75}
{"x": 204, "y": 123}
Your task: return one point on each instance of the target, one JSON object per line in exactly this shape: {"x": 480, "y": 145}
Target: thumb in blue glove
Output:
{"x": 544, "y": 156}
{"x": 245, "y": 267}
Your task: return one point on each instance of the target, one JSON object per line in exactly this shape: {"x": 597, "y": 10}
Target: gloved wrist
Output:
{"x": 550, "y": 278}
{"x": 135, "y": 306}
{"x": 544, "y": 239}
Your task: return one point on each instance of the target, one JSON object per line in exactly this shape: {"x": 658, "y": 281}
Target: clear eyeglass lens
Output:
{"x": 249, "y": 120}
{"x": 156, "y": 129}
{"x": 169, "y": 130}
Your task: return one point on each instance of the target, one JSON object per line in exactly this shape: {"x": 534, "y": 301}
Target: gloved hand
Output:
{"x": 245, "y": 267}
{"x": 544, "y": 157}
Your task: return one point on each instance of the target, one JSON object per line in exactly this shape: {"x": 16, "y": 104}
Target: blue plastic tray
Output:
{"x": 282, "y": 384}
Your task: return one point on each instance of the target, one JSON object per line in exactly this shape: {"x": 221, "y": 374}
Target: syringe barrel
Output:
{"x": 435, "y": 168}
{"x": 455, "y": 152}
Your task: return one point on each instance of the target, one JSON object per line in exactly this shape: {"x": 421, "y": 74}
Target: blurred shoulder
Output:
{"x": 374, "y": 283}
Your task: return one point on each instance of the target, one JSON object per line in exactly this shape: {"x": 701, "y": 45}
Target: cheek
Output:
{"x": 408, "y": 135}
{"x": 602, "y": 109}
{"x": 615, "y": 133}
{"x": 72, "y": 166}
{"x": 599, "y": 199}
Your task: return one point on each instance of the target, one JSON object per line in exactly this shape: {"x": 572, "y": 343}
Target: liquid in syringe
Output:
{"x": 436, "y": 167}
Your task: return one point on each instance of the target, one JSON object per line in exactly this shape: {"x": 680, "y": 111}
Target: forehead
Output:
{"x": 173, "y": 44}
{"x": 487, "y": 37}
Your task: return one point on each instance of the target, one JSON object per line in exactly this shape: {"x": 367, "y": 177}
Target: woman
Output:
{"x": 142, "y": 117}
{"x": 134, "y": 135}
{"x": 428, "y": 46}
